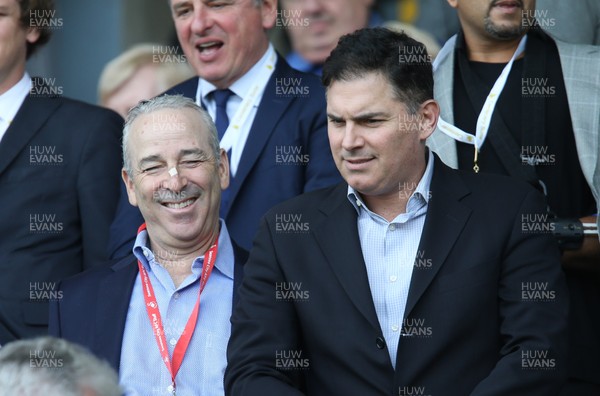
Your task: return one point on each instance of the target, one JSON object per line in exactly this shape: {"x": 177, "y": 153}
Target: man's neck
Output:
{"x": 490, "y": 51}
{"x": 11, "y": 79}
{"x": 177, "y": 260}
{"x": 388, "y": 206}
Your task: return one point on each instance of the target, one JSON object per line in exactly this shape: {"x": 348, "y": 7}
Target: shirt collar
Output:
{"x": 421, "y": 194}
{"x": 11, "y": 100}
{"x": 242, "y": 86}
{"x": 224, "y": 262}
{"x": 299, "y": 63}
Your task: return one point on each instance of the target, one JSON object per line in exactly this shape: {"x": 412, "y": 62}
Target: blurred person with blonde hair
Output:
{"x": 141, "y": 72}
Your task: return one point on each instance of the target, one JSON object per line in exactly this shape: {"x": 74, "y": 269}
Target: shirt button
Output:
{"x": 393, "y": 278}
{"x": 394, "y": 328}
{"x": 146, "y": 253}
{"x": 392, "y": 227}
{"x": 380, "y": 342}
{"x": 170, "y": 389}
{"x": 173, "y": 341}
{"x": 176, "y": 296}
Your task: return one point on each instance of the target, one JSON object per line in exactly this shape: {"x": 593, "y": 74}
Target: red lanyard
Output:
{"x": 155, "y": 318}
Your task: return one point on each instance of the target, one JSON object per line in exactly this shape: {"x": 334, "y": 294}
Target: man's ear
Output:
{"x": 223, "y": 169}
{"x": 129, "y": 186}
{"x": 429, "y": 112}
{"x": 33, "y": 35}
{"x": 269, "y": 13}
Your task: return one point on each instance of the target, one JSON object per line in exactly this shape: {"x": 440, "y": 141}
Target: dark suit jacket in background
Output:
{"x": 60, "y": 163}
{"x": 94, "y": 305}
{"x": 466, "y": 325}
{"x": 260, "y": 181}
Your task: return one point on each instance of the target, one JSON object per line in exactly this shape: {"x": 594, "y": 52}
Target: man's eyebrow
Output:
{"x": 194, "y": 152}
{"x": 360, "y": 117}
{"x": 177, "y": 5}
{"x": 150, "y": 158}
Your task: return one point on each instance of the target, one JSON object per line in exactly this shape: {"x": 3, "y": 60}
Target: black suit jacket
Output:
{"x": 93, "y": 306}
{"x": 467, "y": 328}
{"x": 263, "y": 179}
{"x": 60, "y": 163}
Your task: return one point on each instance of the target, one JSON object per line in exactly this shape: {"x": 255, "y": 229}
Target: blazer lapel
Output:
{"x": 270, "y": 111}
{"x": 439, "y": 142}
{"x": 446, "y": 218}
{"x": 114, "y": 295}
{"x": 338, "y": 238}
{"x": 240, "y": 256}
{"x": 29, "y": 120}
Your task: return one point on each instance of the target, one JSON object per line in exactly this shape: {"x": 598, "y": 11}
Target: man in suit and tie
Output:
{"x": 142, "y": 314}
{"x": 543, "y": 129}
{"x": 271, "y": 118}
{"x": 59, "y": 177}
{"x": 410, "y": 278}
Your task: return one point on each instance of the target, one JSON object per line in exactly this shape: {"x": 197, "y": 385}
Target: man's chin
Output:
{"x": 504, "y": 32}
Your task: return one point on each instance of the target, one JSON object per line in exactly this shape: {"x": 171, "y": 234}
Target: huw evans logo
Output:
{"x": 44, "y": 291}
{"x": 44, "y": 155}
{"x": 45, "y": 19}
{"x": 537, "y": 360}
{"x": 290, "y": 291}
{"x": 291, "y": 155}
{"x": 537, "y": 291}
{"x": 291, "y": 19}
{"x": 290, "y": 360}
{"x": 45, "y": 223}
{"x": 291, "y": 87}
{"x": 44, "y": 359}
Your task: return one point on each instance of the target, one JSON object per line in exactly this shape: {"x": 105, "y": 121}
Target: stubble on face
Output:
{"x": 503, "y": 32}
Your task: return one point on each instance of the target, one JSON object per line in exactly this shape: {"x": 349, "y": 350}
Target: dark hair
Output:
{"x": 398, "y": 57}
{"x": 40, "y": 8}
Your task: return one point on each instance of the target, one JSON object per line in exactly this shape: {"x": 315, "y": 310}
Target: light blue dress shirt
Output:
{"x": 142, "y": 371}
{"x": 389, "y": 250}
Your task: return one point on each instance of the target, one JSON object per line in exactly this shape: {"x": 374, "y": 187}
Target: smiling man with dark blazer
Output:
{"x": 410, "y": 278}
{"x": 59, "y": 177}
{"x": 278, "y": 147}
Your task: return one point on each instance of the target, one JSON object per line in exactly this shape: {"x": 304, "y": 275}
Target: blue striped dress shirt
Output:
{"x": 389, "y": 250}
{"x": 142, "y": 371}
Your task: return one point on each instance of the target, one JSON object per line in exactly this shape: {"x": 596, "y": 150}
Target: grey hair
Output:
{"x": 176, "y": 102}
{"x": 54, "y": 367}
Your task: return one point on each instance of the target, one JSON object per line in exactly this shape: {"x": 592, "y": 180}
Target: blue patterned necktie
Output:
{"x": 221, "y": 96}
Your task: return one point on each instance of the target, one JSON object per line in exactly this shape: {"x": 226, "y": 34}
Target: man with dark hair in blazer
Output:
{"x": 59, "y": 177}
{"x": 544, "y": 129}
{"x": 410, "y": 278}
{"x": 183, "y": 260}
{"x": 270, "y": 117}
